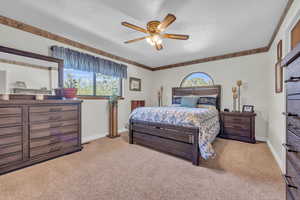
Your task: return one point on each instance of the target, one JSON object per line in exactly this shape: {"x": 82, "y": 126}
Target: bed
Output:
{"x": 161, "y": 128}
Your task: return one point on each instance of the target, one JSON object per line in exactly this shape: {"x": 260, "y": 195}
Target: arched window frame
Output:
{"x": 212, "y": 80}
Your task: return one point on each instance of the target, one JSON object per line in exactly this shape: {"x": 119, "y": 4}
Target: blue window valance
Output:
{"x": 85, "y": 62}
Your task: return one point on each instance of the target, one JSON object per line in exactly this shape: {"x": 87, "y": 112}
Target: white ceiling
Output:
{"x": 215, "y": 27}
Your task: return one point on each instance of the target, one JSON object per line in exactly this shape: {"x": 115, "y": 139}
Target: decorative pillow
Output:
{"x": 177, "y": 100}
{"x": 207, "y": 101}
{"x": 189, "y": 101}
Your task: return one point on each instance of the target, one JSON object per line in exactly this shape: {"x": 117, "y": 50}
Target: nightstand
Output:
{"x": 137, "y": 103}
{"x": 238, "y": 126}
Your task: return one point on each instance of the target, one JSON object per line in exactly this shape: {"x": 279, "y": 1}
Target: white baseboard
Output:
{"x": 85, "y": 139}
{"x": 277, "y": 158}
{"x": 261, "y": 139}
{"x": 98, "y": 136}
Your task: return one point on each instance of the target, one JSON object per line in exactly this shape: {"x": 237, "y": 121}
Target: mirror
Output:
{"x": 28, "y": 73}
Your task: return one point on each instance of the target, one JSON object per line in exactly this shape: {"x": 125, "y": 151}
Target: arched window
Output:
{"x": 197, "y": 79}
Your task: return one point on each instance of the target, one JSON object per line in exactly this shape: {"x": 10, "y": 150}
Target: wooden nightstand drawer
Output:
{"x": 239, "y": 132}
{"x": 238, "y": 126}
{"x": 236, "y": 120}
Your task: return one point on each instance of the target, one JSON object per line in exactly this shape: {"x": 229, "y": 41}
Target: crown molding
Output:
{"x": 43, "y": 33}
{"x": 214, "y": 58}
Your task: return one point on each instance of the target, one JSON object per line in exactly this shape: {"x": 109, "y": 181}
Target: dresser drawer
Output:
{"x": 70, "y": 143}
{"x": 293, "y": 141}
{"x": 54, "y": 131}
{"x": 38, "y": 142}
{"x": 293, "y": 173}
{"x": 6, "y": 159}
{"x": 10, "y": 121}
{"x": 52, "y": 139}
{"x": 49, "y": 125}
{"x": 237, "y": 120}
{"x": 11, "y": 148}
{"x": 54, "y": 116}
{"x": 45, "y": 149}
{"x": 10, "y": 139}
{"x": 10, "y": 131}
{"x": 46, "y": 109}
{"x": 293, "y": 125}
{"x": 294, "y": 159}
{"x": 293, "y": 88}
{"x": 10, "y": 111}
{"x": 293, "y": 69}
{"x": 291, "y": 194}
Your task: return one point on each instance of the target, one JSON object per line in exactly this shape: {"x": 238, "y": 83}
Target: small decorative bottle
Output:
{"x": 235, "y": 96}
{"x": 239, "y": 84}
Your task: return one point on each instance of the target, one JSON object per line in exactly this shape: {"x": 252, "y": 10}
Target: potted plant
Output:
{"x": 70, "y": 89}
{"x": 113, "y": 99}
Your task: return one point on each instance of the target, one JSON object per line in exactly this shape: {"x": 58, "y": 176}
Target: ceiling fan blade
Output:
{"x": 176, "y": 36}
{"x": 137, "y": 28}
{"x": 158, "y": 46}
{"x": 135, "y": 40}
{"x": 169, "y": 19}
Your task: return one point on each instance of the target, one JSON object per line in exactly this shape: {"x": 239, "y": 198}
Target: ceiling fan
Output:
{"x": 156, "y": 29}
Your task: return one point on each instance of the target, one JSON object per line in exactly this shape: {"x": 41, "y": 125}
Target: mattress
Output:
{"x": 206, "y": 119}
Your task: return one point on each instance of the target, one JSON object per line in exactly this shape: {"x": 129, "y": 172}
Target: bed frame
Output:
{"x": 172, "y": 139}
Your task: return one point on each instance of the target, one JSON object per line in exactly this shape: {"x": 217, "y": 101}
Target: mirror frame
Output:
{"x": 39, "y": 57}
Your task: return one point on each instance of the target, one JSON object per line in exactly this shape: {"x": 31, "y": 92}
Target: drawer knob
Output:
{"x": 286, "y": 179}
{"x": 288, "y": 148}
{"x": 293, "y": 79}
{"x": 292, "y": 115}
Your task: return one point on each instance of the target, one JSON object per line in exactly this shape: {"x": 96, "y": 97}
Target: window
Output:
{"x": 95, "y": 84}
{"x": 197, "y": 79}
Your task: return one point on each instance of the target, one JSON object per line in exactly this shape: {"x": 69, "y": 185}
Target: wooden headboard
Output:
{"x": 203, "y": 90}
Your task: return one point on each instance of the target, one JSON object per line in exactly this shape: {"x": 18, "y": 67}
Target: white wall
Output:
{"x": 250, "y": 69}
{"x": 94, "y": 112}
{"x": 277, "y": 130}
{"x": 3, "y": 82}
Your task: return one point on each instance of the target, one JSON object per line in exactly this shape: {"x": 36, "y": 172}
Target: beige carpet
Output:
{"x": 112, "y": 169}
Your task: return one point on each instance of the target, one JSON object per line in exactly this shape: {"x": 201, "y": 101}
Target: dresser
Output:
{"x": 292, "y": 82}
{"x": 137, "y": 103}
{"x": 34, "y": 131}
{"x": 238, "y": 126}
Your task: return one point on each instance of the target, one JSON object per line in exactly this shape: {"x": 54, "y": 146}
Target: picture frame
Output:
{"x": 279, "y": 51}
{"x": 278, "y": 77}
{"x": 248, "y": 108}
{"x": 135, "y": 84}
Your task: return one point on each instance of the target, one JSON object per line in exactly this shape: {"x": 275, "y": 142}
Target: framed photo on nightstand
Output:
{"x": 248, "y": 108}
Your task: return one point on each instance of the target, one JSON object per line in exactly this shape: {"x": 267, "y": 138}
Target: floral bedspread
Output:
{"x": 207, "y": 120}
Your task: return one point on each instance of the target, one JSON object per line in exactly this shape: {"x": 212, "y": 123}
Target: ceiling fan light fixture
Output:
{"x": 154, "y": 39}
{"x": 157, "y": 39}
{"x": 150, "y": 41}
{"x": 155, "y": 31}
